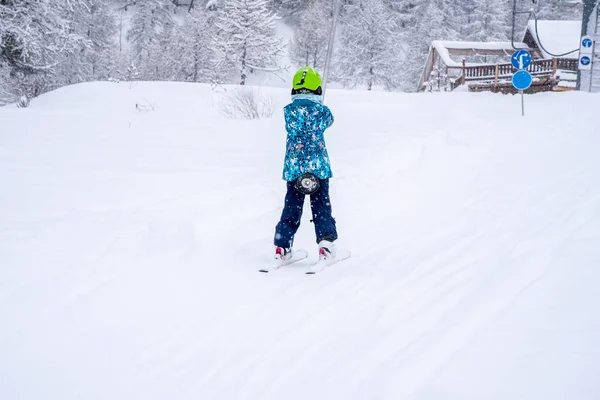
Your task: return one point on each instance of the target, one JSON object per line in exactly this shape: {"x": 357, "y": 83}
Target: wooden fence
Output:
{"x": 538, "y": 68}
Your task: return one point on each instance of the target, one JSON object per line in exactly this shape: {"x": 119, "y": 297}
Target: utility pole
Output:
{"x": 589, "y": 27}
{"x": 336, "y": 11}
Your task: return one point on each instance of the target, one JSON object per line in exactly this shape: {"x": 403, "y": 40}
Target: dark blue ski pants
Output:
{"x": 292, "y": 213}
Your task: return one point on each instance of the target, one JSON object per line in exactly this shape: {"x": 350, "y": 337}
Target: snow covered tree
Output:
{"x": 404, "y": 9}
{"x": 212, "y": 4}
{"x": 370, "y": 47}
{"x": 163, "y": 64}
{"x": 486, "y": 20}
{"x": 45, "y": 44}
{"x": 560, "y": 9}
{"x": 434, "y": 20}
{"x": 94, "y": 58}
{"x": 32, "y": 55}
{"x": 245, "y": 38}
{"x": 309, "y": 46}
{"x": 102, "y": 29}
{"x": 151, "y": 19}
{"x": 191, "y": 44}
{"x": 290, "y": 9}
{"x": 7, "y": 93}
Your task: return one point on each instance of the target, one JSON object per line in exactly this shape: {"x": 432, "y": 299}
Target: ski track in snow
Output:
{"x": 130, "y": 243}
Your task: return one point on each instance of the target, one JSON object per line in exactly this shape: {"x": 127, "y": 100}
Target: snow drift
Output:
{"x": 134, "y": 217}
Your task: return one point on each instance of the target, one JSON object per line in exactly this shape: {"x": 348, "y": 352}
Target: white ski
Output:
{"x": 322, "y": 264}
{"x": 297, "y": 255}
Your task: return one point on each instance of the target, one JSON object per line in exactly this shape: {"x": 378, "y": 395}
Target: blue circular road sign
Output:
{"x": 521, "y": 80}
{"x": 587, "y": 43}
{"x": 585, "y": 60}
{"x": 521, "y": 59}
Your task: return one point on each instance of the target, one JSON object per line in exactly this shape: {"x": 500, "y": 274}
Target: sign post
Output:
{"x": 521, "y": 59}
{"x": 521, "y": 79}
{"x": 588, "y": 52}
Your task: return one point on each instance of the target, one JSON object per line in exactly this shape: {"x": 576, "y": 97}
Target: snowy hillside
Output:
{"x": 134, "y": 217}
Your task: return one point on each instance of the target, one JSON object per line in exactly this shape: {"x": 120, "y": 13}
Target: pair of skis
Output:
{"x": 301, "y": 254}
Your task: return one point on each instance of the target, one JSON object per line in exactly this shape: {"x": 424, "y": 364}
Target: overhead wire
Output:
{"x": 539, "y": 42}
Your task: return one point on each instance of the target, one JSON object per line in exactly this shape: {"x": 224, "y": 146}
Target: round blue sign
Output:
{"x": 521, "y": 80}
{"x": 587, "y": 42}
{"x": 521, "y": 59}
{"x": 585, "y": 60}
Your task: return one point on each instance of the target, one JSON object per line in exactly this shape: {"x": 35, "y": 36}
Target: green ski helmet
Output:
{"x": 307, "y": 80}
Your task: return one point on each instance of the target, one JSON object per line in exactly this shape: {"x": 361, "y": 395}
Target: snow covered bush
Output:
{"x": 439, "y": 81}
{"x": 23, "y": 102}
{"x": 246, "y": 103}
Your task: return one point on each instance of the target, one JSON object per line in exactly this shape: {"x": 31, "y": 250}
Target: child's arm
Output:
{"x": 288, "y": 119}
{"x": 326, "y": 118}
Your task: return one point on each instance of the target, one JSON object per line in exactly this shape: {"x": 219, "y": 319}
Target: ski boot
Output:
{"x": 326, "y": 250}
{"x": 283, "y": 254}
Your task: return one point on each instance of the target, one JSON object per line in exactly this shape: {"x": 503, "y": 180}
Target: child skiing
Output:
{"x": 306, "y": 167}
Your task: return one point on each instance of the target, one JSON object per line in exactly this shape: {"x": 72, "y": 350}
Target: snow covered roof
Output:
{"x": 556, "y": 37}
{"x": 444, "y": 48}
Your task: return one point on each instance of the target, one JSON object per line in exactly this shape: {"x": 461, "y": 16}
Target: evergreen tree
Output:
{"x": 35, "y": 38}
{"x": 370, "y": 47}
{"x": 164, "y": 59}
{"x": 101, "y": 31}
{"x": 486, "y": 20}
{"x": 192, "y": 56}
{"x": 213, "y": 4}
{"x": 94, "y": 58}
{"x": 405, "y": 11}
{"x": 245, "y": 38}
{"x": 45, "y": 44}
{"x": 560, "y": 10}
{"x": 289, "y": 9}
{"x": 468, "y": 15}
{"x": 309, "y": 46}
{"x": 436, "y": 21}
{"x": 150, "y": 20}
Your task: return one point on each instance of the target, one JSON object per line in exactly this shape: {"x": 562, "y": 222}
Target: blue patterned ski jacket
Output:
{"x": 305, "y": 122}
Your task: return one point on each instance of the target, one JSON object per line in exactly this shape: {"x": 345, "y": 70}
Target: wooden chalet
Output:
{"x": 486, "y": 66}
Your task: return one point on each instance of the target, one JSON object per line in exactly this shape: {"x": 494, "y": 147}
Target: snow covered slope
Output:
{"x": 130, "y": 238}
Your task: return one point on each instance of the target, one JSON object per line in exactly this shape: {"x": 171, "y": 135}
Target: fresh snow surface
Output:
{"x": 130, "y": 239}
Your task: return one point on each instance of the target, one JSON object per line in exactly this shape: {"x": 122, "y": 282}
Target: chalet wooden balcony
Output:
{"x": 487, "y": 77}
